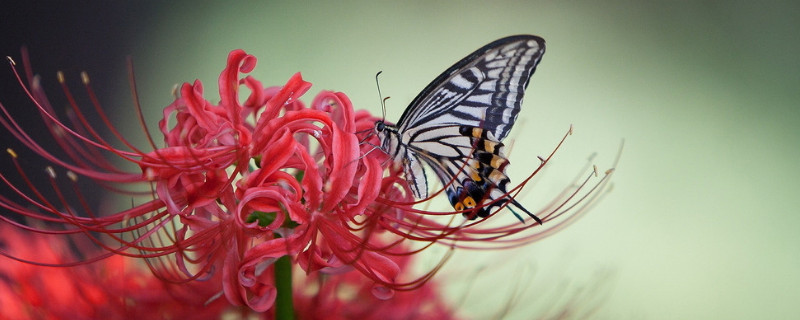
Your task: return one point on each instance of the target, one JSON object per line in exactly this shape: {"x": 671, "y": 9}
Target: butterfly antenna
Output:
{"x": 380, "y": 96}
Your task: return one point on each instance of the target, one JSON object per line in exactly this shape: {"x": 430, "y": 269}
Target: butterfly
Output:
{"x": 456, "y": 126}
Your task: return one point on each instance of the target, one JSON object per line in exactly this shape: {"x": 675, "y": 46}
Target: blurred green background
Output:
{"x": 702, "y": 220}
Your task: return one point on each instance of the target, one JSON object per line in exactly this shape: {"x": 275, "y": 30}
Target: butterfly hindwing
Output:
{"x": 479, "y": 179}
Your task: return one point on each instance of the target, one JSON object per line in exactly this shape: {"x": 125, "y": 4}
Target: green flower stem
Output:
{"x": 284, "y": 307}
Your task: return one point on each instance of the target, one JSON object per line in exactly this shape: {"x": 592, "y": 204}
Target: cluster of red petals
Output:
{"x": 264, "y": 178}
{"x": 113, "y": 288}
{"x": 254, "y": 177}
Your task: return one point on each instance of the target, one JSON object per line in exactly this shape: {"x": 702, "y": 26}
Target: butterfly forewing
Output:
{"x": 456, "y": 125}
{"x": 484, "y": 89}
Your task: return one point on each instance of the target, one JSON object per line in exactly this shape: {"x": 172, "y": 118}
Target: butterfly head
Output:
{"x": 379, "y": 127}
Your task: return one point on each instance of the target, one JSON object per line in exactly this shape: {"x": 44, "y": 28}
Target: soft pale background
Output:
{"x": 702, "y": 219}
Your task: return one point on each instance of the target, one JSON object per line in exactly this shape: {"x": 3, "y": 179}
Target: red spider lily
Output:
{"x": 112, "y": 288}
{"x": 239, "y": 184}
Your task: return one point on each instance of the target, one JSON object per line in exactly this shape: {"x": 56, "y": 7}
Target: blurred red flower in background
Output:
{"x": 112, "y": 288}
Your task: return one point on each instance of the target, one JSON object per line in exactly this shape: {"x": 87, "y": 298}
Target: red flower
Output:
{"x": 112, "y": 288}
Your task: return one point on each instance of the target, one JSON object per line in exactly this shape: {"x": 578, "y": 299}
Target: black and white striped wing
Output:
{"x": 484, "y": 89}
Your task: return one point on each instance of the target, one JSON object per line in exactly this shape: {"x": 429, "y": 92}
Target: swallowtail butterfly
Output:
{"x": 456, "y": 126}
